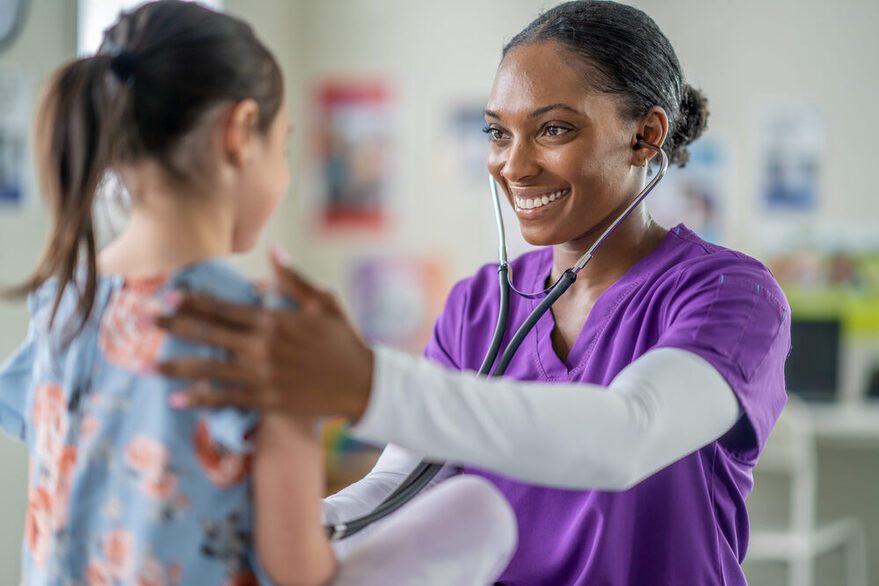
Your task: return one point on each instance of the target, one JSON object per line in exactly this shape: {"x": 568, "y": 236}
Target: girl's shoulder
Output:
{"x": 61, "y": 329}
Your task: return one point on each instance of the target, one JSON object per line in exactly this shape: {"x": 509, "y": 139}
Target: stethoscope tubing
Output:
{"x": 426, "y": 470}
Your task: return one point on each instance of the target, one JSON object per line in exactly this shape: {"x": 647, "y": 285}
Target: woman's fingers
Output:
{"x": 200, "y": 396}
{"x": 214, "y": 310}
{"x": 292, "y": 284}
{"x": 201, "y": 331}
{"x": 239, "y": 374}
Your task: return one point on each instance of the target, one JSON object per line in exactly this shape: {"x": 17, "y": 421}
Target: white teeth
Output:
{"x": 539, "y": 201}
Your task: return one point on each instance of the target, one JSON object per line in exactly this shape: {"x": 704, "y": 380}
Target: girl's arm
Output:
{"x": 288, "y": 484}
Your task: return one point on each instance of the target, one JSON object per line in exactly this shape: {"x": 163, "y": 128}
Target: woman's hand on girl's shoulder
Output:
{"x": 310, "y": 361}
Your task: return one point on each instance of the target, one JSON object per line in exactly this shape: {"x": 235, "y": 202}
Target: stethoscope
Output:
{"x": 426, "y": 470}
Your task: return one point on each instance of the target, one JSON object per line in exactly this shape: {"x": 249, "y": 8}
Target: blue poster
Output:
{"x": 15, "y": 118}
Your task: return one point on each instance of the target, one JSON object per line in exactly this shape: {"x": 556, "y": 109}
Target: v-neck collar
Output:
{"x": 554, "y": 368}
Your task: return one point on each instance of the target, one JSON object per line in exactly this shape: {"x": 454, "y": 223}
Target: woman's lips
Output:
{"x": 532, "y": 203}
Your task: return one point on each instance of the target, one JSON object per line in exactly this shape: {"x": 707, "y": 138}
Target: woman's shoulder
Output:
{"x": 694, "y": 260}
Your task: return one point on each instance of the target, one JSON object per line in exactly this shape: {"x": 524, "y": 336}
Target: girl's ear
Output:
{"x": 239, "y": 129}
{"x": 653, "y": 128}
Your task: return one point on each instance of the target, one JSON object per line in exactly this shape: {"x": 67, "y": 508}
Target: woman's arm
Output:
{"x": 362, "y": 497}
{"x": 662, "y": 407}
{"x": 288, "y": 483}
{"x": 665, "y": 405}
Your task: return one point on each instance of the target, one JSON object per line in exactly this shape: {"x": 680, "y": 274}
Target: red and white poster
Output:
{"x": 353, "y": 131}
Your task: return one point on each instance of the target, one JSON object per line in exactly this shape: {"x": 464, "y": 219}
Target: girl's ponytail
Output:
{"x": 159, "y": 69}
{"x": 73, "y": 143}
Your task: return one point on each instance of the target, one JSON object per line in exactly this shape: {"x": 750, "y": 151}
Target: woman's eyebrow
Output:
{"x": 545, "y": 109}
{"x": 540, "y": 111}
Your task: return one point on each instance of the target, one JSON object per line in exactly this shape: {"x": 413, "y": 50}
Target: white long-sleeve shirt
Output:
{"x": 665, "y": 405}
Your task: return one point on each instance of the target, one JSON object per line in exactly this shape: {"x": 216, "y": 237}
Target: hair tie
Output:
{"x": 123, "y": 64}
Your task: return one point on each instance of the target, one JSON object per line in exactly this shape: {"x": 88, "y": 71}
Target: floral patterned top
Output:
{"x": 122, "y": 488}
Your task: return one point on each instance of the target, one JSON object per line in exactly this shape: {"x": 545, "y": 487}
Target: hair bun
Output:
{"x": 692, "y": 121}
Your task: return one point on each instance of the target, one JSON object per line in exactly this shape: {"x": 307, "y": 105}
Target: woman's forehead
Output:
{"x": 536, "y": 75}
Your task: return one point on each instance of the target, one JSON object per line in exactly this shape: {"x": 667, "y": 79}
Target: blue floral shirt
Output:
{"x": 122, "y": 488}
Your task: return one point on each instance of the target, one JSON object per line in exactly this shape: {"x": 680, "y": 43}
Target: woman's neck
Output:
{"x": 633, "y": 239}
{"x": 168, "y": 231}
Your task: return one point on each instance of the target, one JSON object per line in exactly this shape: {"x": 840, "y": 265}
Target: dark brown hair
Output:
{"x": 158, "y": 71}
{"x": 625, "y": 54}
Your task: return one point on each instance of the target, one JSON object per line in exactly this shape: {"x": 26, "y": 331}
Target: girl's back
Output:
{"x": 124, "y": 489}
{"x": 186, "y": 106}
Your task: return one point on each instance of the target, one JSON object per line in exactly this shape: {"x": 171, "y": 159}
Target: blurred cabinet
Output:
{"x": 821, "y": 478}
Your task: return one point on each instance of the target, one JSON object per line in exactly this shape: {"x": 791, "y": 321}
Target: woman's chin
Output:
{"x": 539, "y": 237}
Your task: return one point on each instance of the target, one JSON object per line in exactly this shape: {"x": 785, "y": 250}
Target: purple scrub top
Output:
{"x": 686, "y": 524}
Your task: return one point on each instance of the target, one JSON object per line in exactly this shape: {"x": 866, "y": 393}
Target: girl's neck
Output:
{"x": 169, "y": 231}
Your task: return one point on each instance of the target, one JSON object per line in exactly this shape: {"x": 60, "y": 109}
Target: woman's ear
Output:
{"x": 653, "y": 128}
{"x": 239, "y": 130}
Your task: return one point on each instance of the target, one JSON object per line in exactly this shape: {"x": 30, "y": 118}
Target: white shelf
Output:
{"x": 848, "y": 423}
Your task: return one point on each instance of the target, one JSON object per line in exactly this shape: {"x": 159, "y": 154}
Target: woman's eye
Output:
{"x": 493, "y": 133}
{"x": 554, "y": 130}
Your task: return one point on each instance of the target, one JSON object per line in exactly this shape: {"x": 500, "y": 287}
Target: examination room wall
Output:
{"x": 437, "y": 56}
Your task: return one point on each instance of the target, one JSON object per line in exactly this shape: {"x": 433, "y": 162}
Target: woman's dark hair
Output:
{"x": 627, "y": 55}
{"x": 158, "y": 72}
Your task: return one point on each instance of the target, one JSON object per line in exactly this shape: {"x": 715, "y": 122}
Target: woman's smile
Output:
{"x": 532, "y": 203}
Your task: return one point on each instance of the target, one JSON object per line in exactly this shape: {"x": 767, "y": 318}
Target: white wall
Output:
{"x": 740, "y": 53}
{"x": 440, "y": 54}
{"x": 47, "y": 38}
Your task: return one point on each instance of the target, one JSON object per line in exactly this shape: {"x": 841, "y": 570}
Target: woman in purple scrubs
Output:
{"x": 626, "y": 429}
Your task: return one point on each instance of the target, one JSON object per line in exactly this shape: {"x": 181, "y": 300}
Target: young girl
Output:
{"x": 187, "y": 106}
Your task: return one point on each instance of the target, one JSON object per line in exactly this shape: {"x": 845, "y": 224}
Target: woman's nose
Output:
{"x": 516, "y": 163}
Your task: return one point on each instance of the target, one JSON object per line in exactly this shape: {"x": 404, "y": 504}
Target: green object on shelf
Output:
{"x": 859, "y": 313}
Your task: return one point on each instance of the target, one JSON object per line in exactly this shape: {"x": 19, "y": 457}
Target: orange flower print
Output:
{"x": 50, "y": 418}
{"x": 162, "y": 488}
{"x": 243, "y": 579}
{"x": 118, "y": 553}
{"x": 149, "y": 458}
{"x": 221, "y": 467}
{"x": 89, "y": 429}
{"x": 37, "y": 531}
{"x": 151, "y": 573}
{"x": 128, "y": 338}
{"x": 175, "y": 573}
{"x": 64, "y": 467}
{"x": 98, "y": 574}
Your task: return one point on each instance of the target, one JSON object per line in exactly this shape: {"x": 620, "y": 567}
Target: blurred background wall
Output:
{"x": 433, "y": 63}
